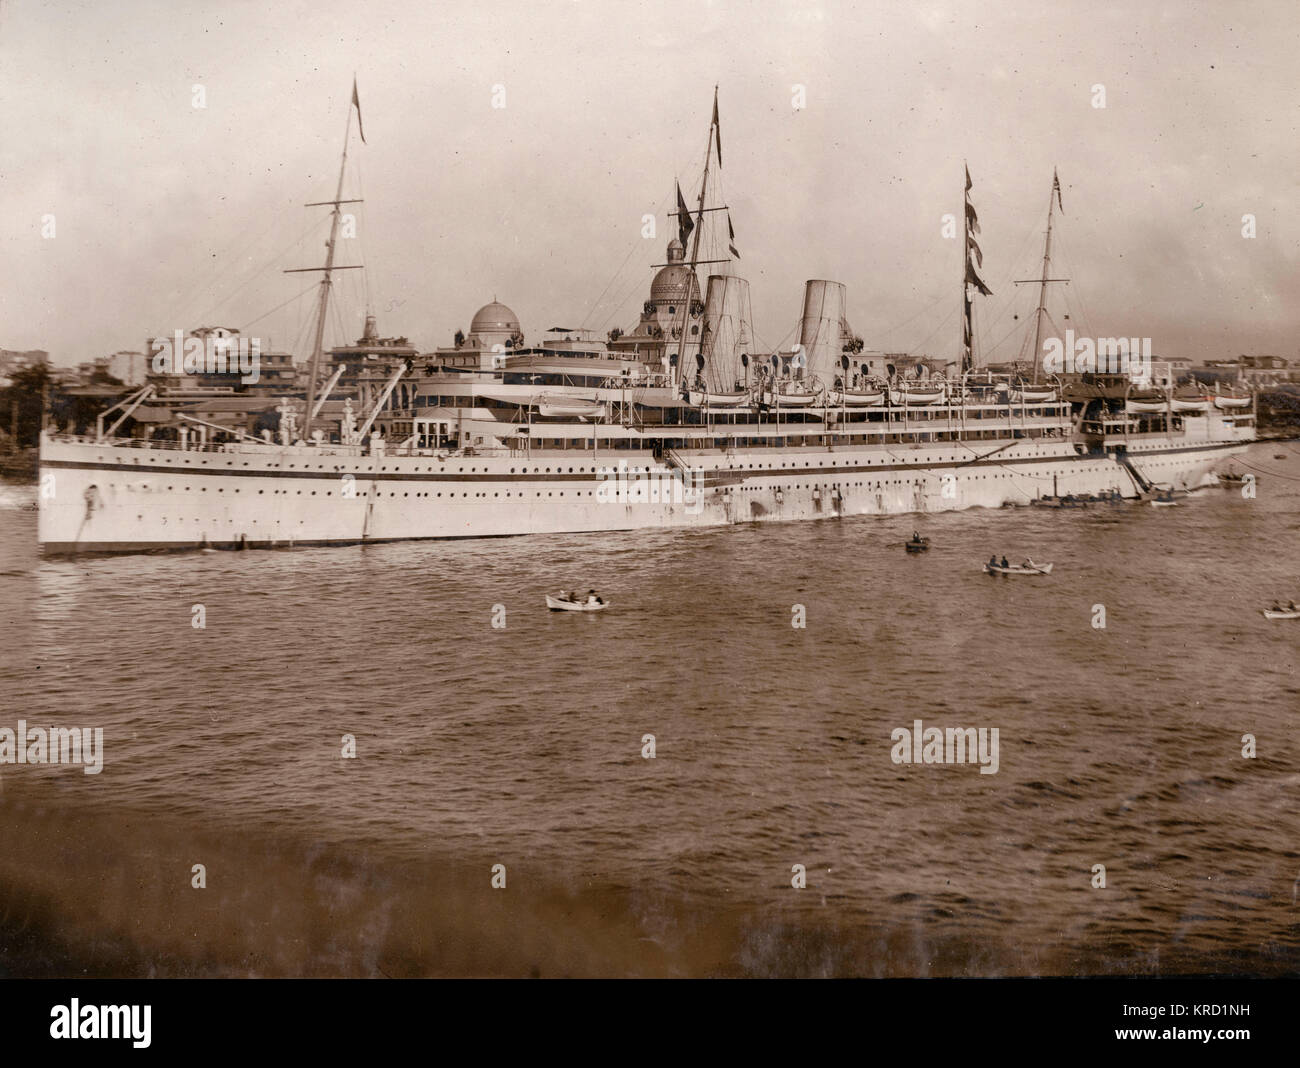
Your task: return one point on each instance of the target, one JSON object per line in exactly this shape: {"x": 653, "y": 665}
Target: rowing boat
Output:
{"x": 556, "y": 605}
{"x": 1019, "y": 569}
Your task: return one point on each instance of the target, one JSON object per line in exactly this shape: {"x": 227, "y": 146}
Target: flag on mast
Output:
{"x": 717, "y": 129}
{"x": 1056, "y": 188}
{"x": 731, "y": 237}
{"x": 973, "y": 227}
{"x": 356, "y": 102}
{"x": 684, "y": 224}
{"x": 976, "y": 281}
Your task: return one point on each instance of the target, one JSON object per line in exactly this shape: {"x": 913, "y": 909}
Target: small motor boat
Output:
{"x": 556, "y": 604}
{"x": 917, "y": 545}
{"x": 1027, "y": 568}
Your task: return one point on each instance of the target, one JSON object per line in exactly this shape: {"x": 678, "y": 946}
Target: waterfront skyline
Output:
{"x": 171, "y": 216}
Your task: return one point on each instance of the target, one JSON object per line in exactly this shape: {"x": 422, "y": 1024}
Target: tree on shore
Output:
{"x": 23, "y": 397}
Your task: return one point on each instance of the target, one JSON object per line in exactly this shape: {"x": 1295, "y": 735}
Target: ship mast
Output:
{"x": 969, "y": 277}
{"x": 1043, "y": 281}
{"x": 1042, "y": 285}
{"x": 691, "y": 283}
{"x": 313, "y": 375}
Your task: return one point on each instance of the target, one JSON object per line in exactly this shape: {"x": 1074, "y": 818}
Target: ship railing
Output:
{"x": 166, "y": 445}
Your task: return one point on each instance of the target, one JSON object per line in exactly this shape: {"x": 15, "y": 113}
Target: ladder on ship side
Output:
{"x": 1145, "y": 485}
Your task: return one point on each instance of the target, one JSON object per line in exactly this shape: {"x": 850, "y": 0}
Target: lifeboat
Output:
{"x": 1189, "y": 402}
{"x": 1033, "y": 394}
{"x": 569, "y": 407}
{"x": 700, "y": 398}
{"x": 857, "y": 398}
{"x": 1145, "y": 403}
{"x": 1229, "y": 400}
{"x": 916, "y": 395}
{"x": 787, "y": 400}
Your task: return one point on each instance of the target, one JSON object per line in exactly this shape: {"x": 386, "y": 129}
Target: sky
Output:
{"x": 126, "y": 211}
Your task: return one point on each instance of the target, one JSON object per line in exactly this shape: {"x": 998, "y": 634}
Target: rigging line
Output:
{"x": 297, "y": 296}
{"x": 217, "y": 265}
{"x": 1084, "y": 318}
{"x": 1264, "y": 470}
{"x": 596, "y": 303}
{"x": 763, "y": 344}
{"x": 363, "y": 222}
{"x": 617, "y": 309}
{"x": 312, "y": 224}
{"x": 658, "y": 206}
{"x": 636, "y": 243}
{"x": 888, "y": 333}
{"x": 257, "y": 273}
{"x": 1015, "y": 329}
{"x": 1005, "y": 280}
{"x": 336, "y": 306}
{"x": 943, "y": 325}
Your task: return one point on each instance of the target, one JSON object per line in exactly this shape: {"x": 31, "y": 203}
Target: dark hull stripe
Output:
{"x": 592, "y": 476}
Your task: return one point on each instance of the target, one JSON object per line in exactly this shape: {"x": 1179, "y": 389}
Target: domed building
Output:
{"x": 494, "y": 324}
{"x": 675, "y": 305}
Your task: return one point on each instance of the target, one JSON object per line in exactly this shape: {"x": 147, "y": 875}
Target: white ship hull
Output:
{"x": 117, "y": 498}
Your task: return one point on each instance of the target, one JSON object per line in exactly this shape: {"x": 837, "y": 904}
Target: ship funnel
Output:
{"x": 728, "y": 332}
{"x": 824, "y": 328}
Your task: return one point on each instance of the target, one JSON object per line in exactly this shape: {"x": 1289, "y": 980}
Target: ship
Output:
{"x": 680, "y": 422}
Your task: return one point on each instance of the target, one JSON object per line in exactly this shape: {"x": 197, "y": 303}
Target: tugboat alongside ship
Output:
{"x": 681, "y": 422}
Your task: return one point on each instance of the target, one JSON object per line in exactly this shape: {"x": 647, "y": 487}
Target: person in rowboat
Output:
{"x": 993, "y": 560}
{"x": 1004, "y": 562}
